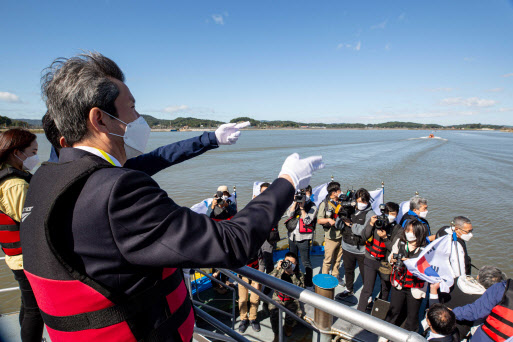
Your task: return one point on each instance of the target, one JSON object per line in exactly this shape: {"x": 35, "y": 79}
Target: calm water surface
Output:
{"x": 465, "y": 173}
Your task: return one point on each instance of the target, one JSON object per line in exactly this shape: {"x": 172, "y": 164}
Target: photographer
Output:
{"x": 222, "y": 207}
{"x": 378, "y": 234}
{"x": 406, "y": 287}
{"x": 326, "y": 217}
{"x": 353, "y": 244}
{"x": 288, "y": 271}
{"x": 301, "y": 227}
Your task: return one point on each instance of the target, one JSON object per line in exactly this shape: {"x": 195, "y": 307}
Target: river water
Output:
{"x": 467, "y": 173}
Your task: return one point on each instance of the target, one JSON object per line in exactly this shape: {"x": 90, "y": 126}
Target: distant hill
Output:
{"x": 181, "y": 122}
{"x": 32, "y": 122}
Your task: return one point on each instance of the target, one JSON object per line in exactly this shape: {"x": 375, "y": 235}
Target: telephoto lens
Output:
{"x": 286, "y": 264}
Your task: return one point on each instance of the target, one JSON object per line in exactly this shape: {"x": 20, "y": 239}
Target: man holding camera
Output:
{"x": 326, "y": 217}
{"x": 222, "y": 208}
{"x": 301, "y": 227}
{"x": 288, "y": 271}
{"x": 378, "y": 236}
{"x": 353, "y": 244}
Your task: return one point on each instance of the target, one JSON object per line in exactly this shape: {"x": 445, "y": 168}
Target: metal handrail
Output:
{"x": 219, "y": 325}
{"x": 9, "y": 289}
{"x": 353, "y": 316}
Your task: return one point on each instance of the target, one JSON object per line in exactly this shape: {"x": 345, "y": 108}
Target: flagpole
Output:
{"x": 383, "y": 188}
{"x": 455, "y": 241}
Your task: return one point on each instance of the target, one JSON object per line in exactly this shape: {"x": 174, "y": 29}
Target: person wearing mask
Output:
{"x": 378, "y": 241}
{"x": 18, "y": 155}
{"x": 460, "y": 260}
{"x": 302, "y": 217}
{"x": 442, "y": 324}
{"x": 326, "y": 216}
{"x": 495, "y": 306}
{"x": 406, "y": 288}
{"x": 286, "y": 270}
{"x": 466, "y": 290}
{"x": 109, "y": 238}
{"x": 352, "y": 242}
{"x": 418, "y": 211}
{"x": 222, "y": 207}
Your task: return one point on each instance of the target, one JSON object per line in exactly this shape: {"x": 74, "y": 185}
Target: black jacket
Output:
{"x": 124, "y": 227}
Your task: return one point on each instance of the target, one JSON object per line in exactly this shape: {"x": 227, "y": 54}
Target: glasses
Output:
{"x": 466, "y": 231}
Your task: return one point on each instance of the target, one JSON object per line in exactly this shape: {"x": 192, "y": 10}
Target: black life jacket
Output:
{"x": 499, "y": 323}
{"x": 9, "y": 227}
{"x": 74, "y": 306}
{"x": 404, "y": 277}
{"x": 347, "y": 232}
{"x": 291, "y": 223}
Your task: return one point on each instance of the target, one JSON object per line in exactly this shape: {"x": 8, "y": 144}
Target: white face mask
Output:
{"x": 30, "y": 162}
{"x": 466, "y": 237}
{"x": 362, "y": 206}
{"x": 225, "y": 197}
{"x": 423, "y": 214}
{"x": 410, "y": 237}
{"x": 391, "y": 219}
{"x": 136, "y": 136}
{"x": 307, "y": 198}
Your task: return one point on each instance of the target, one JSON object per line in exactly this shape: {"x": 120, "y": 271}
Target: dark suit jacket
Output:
{"x": 125, "y": 228}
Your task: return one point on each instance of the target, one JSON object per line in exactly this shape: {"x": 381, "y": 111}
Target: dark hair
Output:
{"x": 72, "y": 87}
{"x": 14, "y": 139}
{"x": 363, "y": 194}
{"x": 460, "y": 221}
{"x": 308, "y": 189}
{"x": 265, "y": 185}
{"x": 52, "y": 133}
{"x": 418, "y": 229}
{"x": 333, "y": 187}
{"x": 391, "y": 206}
{"x": 292, "y": 255}
{"x": 490, "y": 275}
{"x": 443, "y": 320}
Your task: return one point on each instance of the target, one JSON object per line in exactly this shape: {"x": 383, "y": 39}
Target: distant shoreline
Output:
{"x": 324, "y": 128}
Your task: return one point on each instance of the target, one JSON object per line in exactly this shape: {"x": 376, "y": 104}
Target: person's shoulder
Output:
{"x": 119, "y": 175}
{"x": 13, "y": 182}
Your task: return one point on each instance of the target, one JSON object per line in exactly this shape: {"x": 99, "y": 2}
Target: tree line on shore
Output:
{"x": 188, "y": 122}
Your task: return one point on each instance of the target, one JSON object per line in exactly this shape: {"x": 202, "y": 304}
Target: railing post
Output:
{"x": 325, "y": 286}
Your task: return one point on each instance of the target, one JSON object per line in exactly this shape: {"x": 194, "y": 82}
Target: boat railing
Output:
{"x": 339, "y": 310}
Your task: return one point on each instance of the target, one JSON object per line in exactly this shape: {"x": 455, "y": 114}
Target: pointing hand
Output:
{"x": 228, "y": 134}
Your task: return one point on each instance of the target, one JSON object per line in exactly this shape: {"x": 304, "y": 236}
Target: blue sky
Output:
{"x": 444, "y": 62}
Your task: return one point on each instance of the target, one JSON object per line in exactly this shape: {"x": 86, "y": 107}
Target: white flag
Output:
{"x": 432, "y": 264}
{"x": 319, "y": 193}
{"x": 404, "y": 207}
{"x": 376, "y": 200}
{"x": 256, "y": 188}
{"x": 202, "y": 207}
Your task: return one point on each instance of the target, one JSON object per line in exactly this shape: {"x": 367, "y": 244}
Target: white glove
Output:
{"x": 228, "y": 134}
{"x": 300, "y": 170}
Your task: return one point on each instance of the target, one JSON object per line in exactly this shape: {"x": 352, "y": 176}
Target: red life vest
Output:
{"x": 10, "y": 228}
{"x": 404, "y": 277}
{"x": 499, "y": 323}
{"x": 284, "y": 297}
{"x": 376, "y": 248}
{"x": 76, "y": 307}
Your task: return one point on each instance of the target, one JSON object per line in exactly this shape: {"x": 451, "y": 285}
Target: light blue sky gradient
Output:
{"x": 444, "y": 62}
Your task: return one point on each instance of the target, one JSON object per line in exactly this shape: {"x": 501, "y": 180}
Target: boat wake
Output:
{"x": 429, "y": 137}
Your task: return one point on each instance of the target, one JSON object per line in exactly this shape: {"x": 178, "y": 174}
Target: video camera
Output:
{"x": 382, "y": 220}
{"x": 300, "y": 196}
{"x": 347, "y": 204}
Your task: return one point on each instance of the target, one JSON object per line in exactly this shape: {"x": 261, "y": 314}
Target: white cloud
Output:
{"x": 441, "y": 89}
{"x": 174, "y": 109}
{"x": 218, "y": 19}
{"x": 9, "y": 97}
{"x": 495, "y": 90}
{"x": 402, "y": 16}
{"x": 469, "y": 102}
{"x": 502, "y": 110}
{"x": 508, "y": 75}
{"x": 380, "y": 26}
{"x": 355, "y": 47}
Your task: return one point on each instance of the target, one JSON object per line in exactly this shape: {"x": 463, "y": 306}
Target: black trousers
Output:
{"x": 371, "y": 270}
{"x": 397, "y": 301}
{"x": 350, "y": 265}
{"x": 304, "y": 250}
{"x": 31, "y": 321}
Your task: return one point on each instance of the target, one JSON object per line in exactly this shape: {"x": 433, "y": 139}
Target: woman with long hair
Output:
{"x": 406, "y": 288}
{"x": 18, "y": 155}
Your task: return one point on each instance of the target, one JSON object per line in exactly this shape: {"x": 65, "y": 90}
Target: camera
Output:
{"x": 382, "y": 219}
{"x": 329, "y": 212}
{"x": 219, "y": 198}
{"x": 347, "y": 204}
{"x": 300, "y": 196}
{"x": 399, "y": 264}
{"x": 286, "y": 264}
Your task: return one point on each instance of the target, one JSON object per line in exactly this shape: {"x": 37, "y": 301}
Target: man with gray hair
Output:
{"x": 460, "y": 260}
{"x": 418, "y": 211}
{"x": 103, "y": 244}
